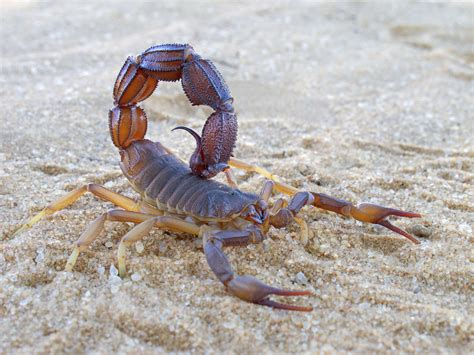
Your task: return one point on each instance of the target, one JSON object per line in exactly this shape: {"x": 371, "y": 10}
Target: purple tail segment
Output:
{"x": 203, "y": 85}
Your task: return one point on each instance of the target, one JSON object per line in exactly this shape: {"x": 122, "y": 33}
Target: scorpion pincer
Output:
{"x": 184, "y": 199}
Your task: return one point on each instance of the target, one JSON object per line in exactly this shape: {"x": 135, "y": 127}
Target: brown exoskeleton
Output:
{"x": 181, "y": 198}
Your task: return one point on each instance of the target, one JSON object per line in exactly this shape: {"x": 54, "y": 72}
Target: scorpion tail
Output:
{"x": 127, "y": 124}
{"x": 127, "y": 121}
{"x": 203, "y": 85}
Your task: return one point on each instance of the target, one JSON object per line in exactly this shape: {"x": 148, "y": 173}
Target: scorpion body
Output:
{"x": 184, "y": 199}
{"x": 165, "y": 182}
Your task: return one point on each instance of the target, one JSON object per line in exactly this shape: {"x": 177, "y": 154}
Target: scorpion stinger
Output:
{"x": 196, "y": 162}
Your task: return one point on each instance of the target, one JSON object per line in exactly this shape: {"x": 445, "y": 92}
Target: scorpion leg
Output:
{"x": 244, "y": 287}
{"x": 145, "y": 223}
{"x": 93, "y": 230}
{"x": 99, "y": 191}
{"x": 280, "y": 186}
{"x": 283, "y": 213}
{"x": 141, "y": 230}
{"x": 364, "y": 212}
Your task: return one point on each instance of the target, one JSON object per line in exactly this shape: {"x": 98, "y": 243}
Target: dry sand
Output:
{"x": 360, "y": 101}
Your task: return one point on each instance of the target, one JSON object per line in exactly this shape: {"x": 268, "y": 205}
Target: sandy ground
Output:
{"x": 362, "y": 102}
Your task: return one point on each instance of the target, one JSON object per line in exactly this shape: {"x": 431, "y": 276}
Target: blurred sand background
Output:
{"x": 367, "y": 102}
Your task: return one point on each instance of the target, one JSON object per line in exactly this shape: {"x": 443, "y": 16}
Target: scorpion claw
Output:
{"x": 376, "y": 214}
{"x": 252, "y": 290}
{"x": 289, "y": 307}
{"x": 395, "y": 229}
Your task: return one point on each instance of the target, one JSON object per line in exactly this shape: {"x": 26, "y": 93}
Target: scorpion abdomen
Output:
{"x": 166, "y": 182}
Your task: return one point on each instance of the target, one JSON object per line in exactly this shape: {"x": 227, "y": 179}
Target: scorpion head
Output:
{"x": 256, "y": 213}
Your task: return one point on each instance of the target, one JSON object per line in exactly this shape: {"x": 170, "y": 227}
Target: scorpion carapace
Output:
{"x": 202, "y": 84}
{"x": 181, "y": 198}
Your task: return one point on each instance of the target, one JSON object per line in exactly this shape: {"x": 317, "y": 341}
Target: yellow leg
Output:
{"x": 141, "y": 230}
{"x": 304, "y": 237}
{"x": 279, "y": 185}
{"x": 99, "y": 191}
{"x": 93, "y": 230}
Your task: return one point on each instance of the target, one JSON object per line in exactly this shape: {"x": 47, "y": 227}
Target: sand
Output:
{"x": 367, "y": 102}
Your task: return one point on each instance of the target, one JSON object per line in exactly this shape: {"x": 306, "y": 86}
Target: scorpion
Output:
{"x": 182, "y": 198}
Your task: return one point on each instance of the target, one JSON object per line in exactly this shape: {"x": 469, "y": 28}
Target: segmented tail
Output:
{"x": 127, "y": 124}
{"x": 202, "y": 84}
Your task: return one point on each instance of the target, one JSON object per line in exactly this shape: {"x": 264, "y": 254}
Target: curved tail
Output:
{"x": 202, "y": 84}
